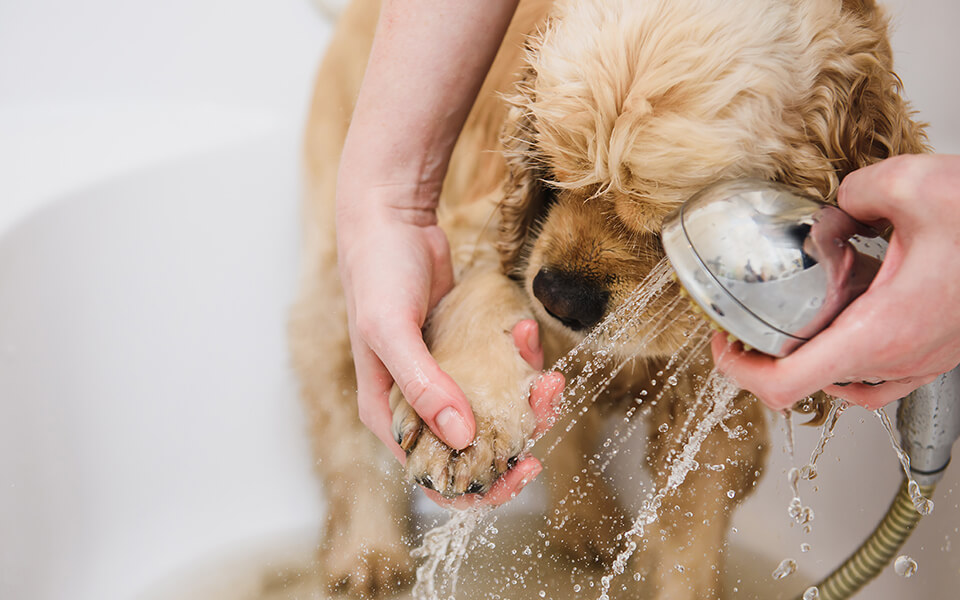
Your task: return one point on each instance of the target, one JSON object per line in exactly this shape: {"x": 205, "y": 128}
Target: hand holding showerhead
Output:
{"x": 781, "y": 272}
{"x": 905, "y": 330}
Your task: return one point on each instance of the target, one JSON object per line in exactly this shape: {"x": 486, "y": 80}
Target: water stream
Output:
{"x": 923, "y": 505}
{"x": 719, "y": 391}
{"x": 589, "y": 368}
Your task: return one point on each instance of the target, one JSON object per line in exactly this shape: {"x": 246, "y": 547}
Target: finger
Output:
{"x": 510, "y": 483}
{"x": 880, "y": 191}
{"x": 526, "y": 337}
{"x": 373, "y": 397}
{"x": 873, "y": 397}
{"x": 751, "y": 371}
{"x": 544, "y": 400}
{"x": 430, "y": 392}
{"x": 772, "y": 380}
{"x": 841, "y": 352}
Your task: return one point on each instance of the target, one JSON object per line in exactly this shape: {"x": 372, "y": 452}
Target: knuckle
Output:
{"x": 904, "y": 176}
{"x": 415, "y": 392}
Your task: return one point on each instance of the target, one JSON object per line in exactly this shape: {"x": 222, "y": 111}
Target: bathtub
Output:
{"x": 151, "y": 441}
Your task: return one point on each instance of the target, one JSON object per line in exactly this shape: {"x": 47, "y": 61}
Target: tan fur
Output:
{"x": 597, "y": 119}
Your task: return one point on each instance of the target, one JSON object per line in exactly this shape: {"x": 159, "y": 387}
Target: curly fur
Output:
{"x": 609, "y": 113}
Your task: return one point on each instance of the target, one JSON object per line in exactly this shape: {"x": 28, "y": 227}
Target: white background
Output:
{"x": 135, "y": 319}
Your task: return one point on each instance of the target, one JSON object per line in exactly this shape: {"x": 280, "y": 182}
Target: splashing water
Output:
{"x": 789, "y": 433}
{"x": 809, "y": 471}
{"x": 786, "y": 568}
{"x": 722, "y": 392}
{"x": 905, "y": 566}
{"x": 615, "y": 442}
{"x": 605, "y": 339}
{"x": 800, "y": 514}
{"x": 444, "y": 547}
{"x": 923, "y": 505}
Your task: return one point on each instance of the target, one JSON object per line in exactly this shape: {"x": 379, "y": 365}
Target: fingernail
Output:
{"x": 453, "y": 428}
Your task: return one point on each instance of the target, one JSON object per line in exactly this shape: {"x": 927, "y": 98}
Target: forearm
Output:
{"x": 428, "y": 61}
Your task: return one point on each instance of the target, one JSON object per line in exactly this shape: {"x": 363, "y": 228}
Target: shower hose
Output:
{"x": 877, "y": 550}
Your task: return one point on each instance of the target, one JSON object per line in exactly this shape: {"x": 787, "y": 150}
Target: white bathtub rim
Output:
{"x": 51, "y": 152}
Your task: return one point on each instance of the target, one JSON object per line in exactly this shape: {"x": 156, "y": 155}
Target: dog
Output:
{"x": 597, "y": 119}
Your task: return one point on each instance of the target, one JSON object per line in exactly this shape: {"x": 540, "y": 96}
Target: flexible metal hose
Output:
{"x": 877, "y": 551}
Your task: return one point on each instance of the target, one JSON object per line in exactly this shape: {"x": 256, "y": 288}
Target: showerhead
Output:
{"x": 767, "y": 263}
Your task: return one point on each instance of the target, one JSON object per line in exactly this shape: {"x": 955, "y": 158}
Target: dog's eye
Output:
{"x": 548, "y": 198}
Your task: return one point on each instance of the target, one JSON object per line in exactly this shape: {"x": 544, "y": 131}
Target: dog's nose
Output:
{"x": 571, "y": 299}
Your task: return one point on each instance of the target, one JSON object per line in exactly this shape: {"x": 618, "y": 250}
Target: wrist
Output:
{"x": 370, "y": 204}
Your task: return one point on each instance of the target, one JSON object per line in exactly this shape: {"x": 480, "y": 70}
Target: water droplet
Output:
{"x": 542, "y": 594}
{"x": 678, "y": 567}
{"x": 786, "y": 567}
{"x": 793, "y": 475}
{"x": 576, "y": 587}
{"x": 672, "y": 380}
{"x": 804, "y": 547}
{"x": 811, "y": 593}
{"x": 663, "y": 428}
{"x": 905, "y": 566}
{"x": 731, "y": 493}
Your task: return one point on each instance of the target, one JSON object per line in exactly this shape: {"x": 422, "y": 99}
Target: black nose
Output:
{"x": 573, "y": 300}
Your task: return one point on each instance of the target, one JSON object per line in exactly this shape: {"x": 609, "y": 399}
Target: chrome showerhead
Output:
{"x": 767, "y": 263}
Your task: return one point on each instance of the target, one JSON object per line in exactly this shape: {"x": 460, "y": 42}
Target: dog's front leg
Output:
{"x": 469, "y": 333}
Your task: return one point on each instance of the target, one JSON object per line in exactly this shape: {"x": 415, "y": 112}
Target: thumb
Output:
{"x": 430, "y": 392}
{"x": 880, "y": 192}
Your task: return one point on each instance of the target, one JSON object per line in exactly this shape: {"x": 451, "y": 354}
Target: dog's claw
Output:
{"x": 406, "y": 426}
{"x": 408, "y": 439}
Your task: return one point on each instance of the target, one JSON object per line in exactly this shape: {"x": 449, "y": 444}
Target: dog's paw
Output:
{"x": 500, "y": 439}
{"x": 407, "y": 425}
{"x": 371, "y": 570}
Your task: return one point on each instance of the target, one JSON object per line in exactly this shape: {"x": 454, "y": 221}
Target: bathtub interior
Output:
{"x": 151, "y": 441}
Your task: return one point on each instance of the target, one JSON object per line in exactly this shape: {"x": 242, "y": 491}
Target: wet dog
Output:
{"x": 597, "y": 119}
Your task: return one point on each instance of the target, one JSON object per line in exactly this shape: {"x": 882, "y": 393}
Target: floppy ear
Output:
{"x": 856, "y": 115}
{"x": 526, "y": 193}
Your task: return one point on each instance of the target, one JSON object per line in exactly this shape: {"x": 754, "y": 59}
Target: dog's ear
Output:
{"x": 856, "y": 115}
{"x": 526, "y": 193}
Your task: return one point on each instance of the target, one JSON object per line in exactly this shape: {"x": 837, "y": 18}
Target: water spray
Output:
{"x": 772, "y": 266}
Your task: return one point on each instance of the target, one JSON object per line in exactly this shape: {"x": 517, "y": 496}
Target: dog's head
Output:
{"x": 627, "y": 108}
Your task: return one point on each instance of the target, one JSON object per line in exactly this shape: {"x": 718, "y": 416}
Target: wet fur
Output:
{"x": 596, "y": 120}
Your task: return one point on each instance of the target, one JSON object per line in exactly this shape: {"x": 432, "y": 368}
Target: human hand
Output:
{"x": 904, "y": 330}
{"x": 544, "y": 395}
{"x": 395, "y": 266}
